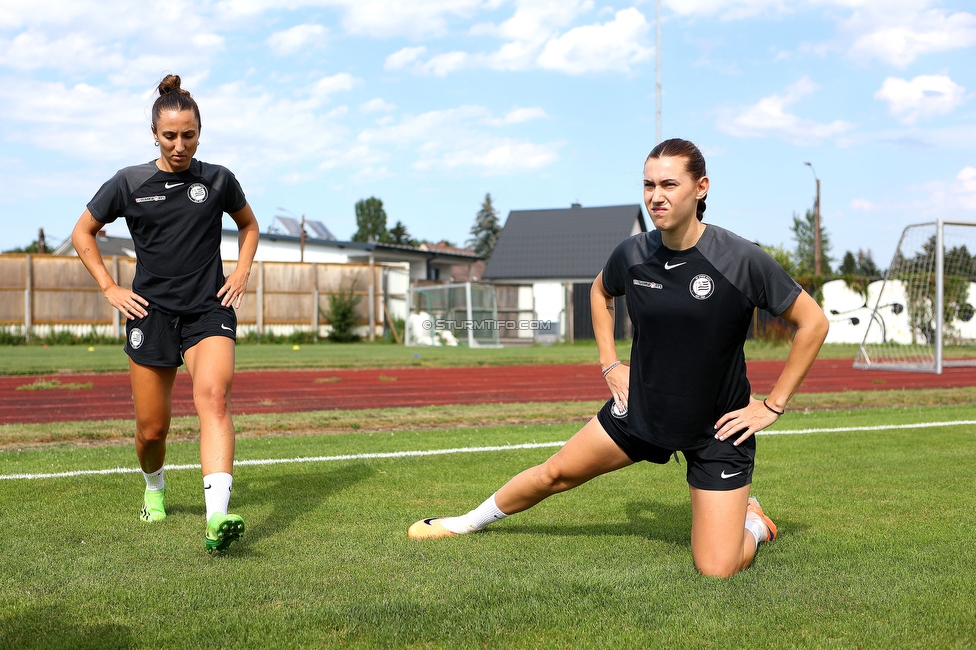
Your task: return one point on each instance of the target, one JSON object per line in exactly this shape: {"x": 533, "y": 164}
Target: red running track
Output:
{"x": 272, "y": 391}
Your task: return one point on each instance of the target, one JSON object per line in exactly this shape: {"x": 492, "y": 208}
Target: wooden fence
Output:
{"x": 44, "y": 293}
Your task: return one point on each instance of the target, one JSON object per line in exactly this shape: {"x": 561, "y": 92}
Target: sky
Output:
{"x": 429, "y": 105}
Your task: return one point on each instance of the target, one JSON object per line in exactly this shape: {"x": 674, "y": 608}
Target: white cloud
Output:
{"x": 941, "y": 197}
{"x": 769, "y": 117}
{"x": 81, "y": 121}
{"x": 899, "y": 37}
{"x": 327, "y": 86}
{"x": 395, "y": 18}
{"x": 864, "y": 205}
{"x": 922, "y": 97}
{"x": 519, "y": 115}
{"x": 377, "y": 105}
{"x": 727, "y": 9}
{"x": 612, "y": 46}
{"x": 615, "y": 46}
{"x": 966, "y": 188}
{"x": 537, "y": 20}
{"x": 296, "y": 39}
{"x": 455, "y": 138}
{"x": 404, "y": 58}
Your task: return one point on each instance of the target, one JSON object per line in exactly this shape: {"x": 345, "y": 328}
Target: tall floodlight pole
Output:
{"x": 657, "y": 62}
{"x": 816, "y": 224}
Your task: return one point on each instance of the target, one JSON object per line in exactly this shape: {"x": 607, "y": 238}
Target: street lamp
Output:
{"x": 657, "y": 65}
{"x": 816, "y": 224}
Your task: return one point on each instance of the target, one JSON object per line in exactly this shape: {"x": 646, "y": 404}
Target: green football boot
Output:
{"x": 222, "y": 531}
{"x": 152, "y": 505}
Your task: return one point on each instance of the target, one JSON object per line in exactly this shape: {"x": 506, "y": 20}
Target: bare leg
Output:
{"x": 720, "y": 544}
{"x": 152, "y": 394}
{"x": 211, "y": 366}
{"x": 589, "y": 453}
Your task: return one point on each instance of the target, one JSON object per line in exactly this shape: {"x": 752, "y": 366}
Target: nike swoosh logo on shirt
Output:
{"x": 170, "y": 186}
{"x": 224, "y": 327}
{"x": 668, "y": 265}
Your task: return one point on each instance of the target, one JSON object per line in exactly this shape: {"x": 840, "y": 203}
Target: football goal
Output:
{"x": 452, "y": 314}
{"x": 923, "y": 310}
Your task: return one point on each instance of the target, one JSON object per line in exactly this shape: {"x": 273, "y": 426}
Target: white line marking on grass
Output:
{"x": 300, "y": 459}
{"x": 880, "y": 427}
{"x": 456, "y": 450}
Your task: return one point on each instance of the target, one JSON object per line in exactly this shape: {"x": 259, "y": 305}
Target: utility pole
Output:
{"x": 816, "y": 225}
{"x": 657, "y": 62}
{"x": 303, "y": 238}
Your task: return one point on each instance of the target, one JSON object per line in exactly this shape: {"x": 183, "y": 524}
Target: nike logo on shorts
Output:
{"x": 724, "y": 475}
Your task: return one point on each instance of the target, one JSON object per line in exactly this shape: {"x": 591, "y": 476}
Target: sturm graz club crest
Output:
{"x": 136, "y": 337}
{"x": 197, "y": 192}
{"x": 617, "y": 412}
{"x": 702, "y": 286}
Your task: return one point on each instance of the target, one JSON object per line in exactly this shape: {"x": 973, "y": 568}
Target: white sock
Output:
{"x": 154, "y": 481}
{"x": 475, "y": 520}
{"x": 216, "y": 492}
{"x": 757, "y": 527}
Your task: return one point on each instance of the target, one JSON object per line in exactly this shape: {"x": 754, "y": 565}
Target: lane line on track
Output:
{"x": 455, "y": 450}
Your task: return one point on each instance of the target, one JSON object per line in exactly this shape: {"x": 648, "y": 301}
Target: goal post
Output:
{"x": 453, "y": 314}
{"x": 922, "y": 319}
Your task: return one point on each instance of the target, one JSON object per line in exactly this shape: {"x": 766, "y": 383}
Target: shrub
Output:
{"x": 341, "y": 314}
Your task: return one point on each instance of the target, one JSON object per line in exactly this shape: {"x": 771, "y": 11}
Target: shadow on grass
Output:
{"x": 53, "y": 627}
{"x": 293, "y": 496}
{"x": 666, "y": 522}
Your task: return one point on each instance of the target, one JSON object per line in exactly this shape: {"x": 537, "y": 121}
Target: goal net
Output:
{"x": 923, "y": 311}
{"x": 452, "y": 314}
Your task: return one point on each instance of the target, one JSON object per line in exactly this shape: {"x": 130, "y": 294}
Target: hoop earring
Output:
{"x": 156, "y": 143}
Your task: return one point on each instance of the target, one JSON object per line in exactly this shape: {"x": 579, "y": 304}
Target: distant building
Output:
{"x": 546, "y": 260}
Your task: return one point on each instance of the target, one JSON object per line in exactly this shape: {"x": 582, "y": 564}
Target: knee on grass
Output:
{"x": 716, "y": 567}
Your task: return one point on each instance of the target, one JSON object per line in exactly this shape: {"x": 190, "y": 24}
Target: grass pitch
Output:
{"x": 875, "y": 547}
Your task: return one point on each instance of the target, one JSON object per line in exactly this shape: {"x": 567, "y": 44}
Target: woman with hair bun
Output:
{"x": 691, "y": 291}
{"x": 181, "y": 306}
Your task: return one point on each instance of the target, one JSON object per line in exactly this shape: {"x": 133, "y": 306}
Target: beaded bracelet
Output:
{"x": 772, "y": 409}
{"x": 607, "y": 370}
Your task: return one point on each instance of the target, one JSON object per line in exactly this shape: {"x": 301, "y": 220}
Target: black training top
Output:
{"x": 175, "y": 222}
{"x": 691, "y": 311}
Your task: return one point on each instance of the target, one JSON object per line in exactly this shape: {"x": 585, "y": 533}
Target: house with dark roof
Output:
{"x": 545, "y": 261}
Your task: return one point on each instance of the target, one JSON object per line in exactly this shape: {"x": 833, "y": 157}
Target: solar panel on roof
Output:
{"x": 288, "y": 226}
{"x": 318, "y": 230}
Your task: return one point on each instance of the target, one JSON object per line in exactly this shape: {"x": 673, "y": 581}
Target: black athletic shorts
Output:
{"x": 160, "y": 339}
{"x": 712, "y": 465}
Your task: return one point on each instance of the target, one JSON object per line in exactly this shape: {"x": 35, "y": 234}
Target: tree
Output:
{"x": 849, "y": 265}
{"x": 782, "y": 256}
{"x": 860, "y": 264}
{"x": 30, "y": 248}
{"x": 866, "y": 265}
{"x": 370, "y": 221}
{"x": 803, "y": 235}
{"x": 484, "y": 232}
{"x": 398, "y": 235}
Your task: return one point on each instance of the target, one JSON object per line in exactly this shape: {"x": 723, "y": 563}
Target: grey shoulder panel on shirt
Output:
{"x": 632, "y": 251}
{"x": 221, "y": 180}
{"x": 749, "y": 268}
{"x": 137, "y": 175}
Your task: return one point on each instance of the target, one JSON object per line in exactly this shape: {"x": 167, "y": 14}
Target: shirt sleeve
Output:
{"x": 109, "y": 202}
{"x": 232, "y": 193}
{"x": 779, "y": 290}
{"x": 615, "y": 270}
